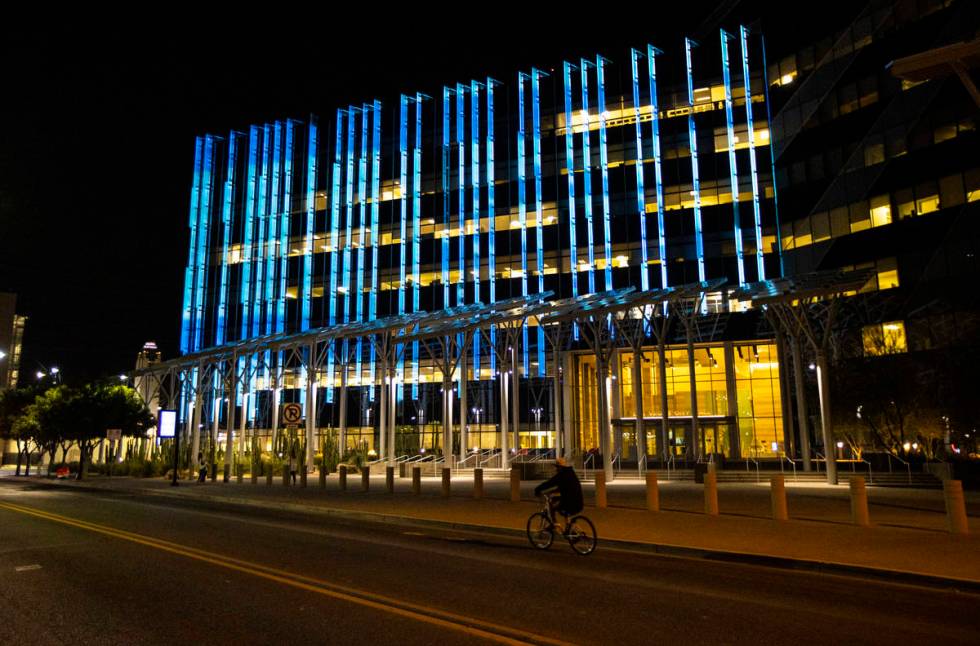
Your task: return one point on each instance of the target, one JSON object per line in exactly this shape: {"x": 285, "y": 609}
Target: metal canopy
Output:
{"x": 805, "y": 286}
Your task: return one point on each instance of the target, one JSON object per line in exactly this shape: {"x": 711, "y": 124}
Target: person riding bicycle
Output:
{"x": 569, "y": 499}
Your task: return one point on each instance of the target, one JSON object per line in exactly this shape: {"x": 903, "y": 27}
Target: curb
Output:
{"x": 660, "y": 549}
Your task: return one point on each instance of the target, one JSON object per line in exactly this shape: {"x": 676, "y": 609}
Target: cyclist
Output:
{"x": 569, "y": 498}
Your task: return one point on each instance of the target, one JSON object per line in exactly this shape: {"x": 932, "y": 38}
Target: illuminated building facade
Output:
{"x": 577, "y": 178}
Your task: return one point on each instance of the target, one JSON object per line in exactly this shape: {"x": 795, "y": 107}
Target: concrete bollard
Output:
{"x": 416, "y": 480}
{"x": 302, "y": 476}
{"x": 515, "y": 484}
{"x": 956, "y": 519}
{"x": 478, "y": 483}
{"x": 240, "y": 475}
{"x": 447, "y": 482}
{"x": 214, "y": 472}
{"x": 268, "y": 475}
{"x": 365, "y": 478}
{"x": 285, "y": 474}
{"x": 600, "y": 490}
{"x": 390, "y": 479}
{"x": 342, "y": 477}
{"x": 323, "y": 477}
{"x": 254, "y": 474}
{"x": 653, "y": 492}
{"x": 859, "y": 502}
{"x": 711, "y": 493}
{"x": 777, "y": 494}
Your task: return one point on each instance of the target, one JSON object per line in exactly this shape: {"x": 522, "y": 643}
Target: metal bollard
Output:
{"x": 777, "y": 493}
{"x": 600, "y": 490}
{"x": 447, "y": 482}
{"x": 323, "y": 477}
{"x": 268, "y": 475}
{"x": 653, "y": 492}
{"x": 515, "y": 484}
{"x": 859, "y": 502}
{"x": 254, "y": 474}
{"x": 342, "y": 477}
{"x": 214, "y": 472}
{"x": 285, "y": 474}
{"x": 711, "y": 493}
{"x": 390, "y": 479}
{"x": 365, "y": 478}
{"x": 240, "y": 475}
{"x": 302, "y": 476}
{"x": 478, "y": 483}
{"x": 956, "y": 519}
{"x": 416, "y": 480}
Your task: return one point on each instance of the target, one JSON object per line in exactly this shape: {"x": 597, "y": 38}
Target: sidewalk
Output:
{"x": 907, "y": 542}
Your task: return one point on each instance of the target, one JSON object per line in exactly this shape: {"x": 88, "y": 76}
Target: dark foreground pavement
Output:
{"x": 104, "y": 567}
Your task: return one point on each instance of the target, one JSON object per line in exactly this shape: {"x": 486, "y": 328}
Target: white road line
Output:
{"x": 27, "y": 568}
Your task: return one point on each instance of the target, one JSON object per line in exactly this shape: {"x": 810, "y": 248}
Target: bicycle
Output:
{"x": 579, "y": 530}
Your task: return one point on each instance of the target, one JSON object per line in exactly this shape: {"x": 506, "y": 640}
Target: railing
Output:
{"x": 821, "y": 458}
{"x": 758, "y": 476}
{"x": 669, "y": 463}
{"x": 783, "y": 457}
{"x": 490, "y": 455}
{"x": 590, "y": 458}
{"x": 908, "y": 467}
{"x": 617, "y": 462}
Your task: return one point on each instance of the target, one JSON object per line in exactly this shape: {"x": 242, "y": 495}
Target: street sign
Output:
{"x": 292, "y": 413}
{"x": 167, "y": 423}
{"x": 113, "y": 434}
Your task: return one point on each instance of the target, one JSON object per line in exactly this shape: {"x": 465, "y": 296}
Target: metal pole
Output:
{"x": 801, "y": 407}
{"x": 603, "y": 414}
{"x": 515, "y": 396}
{"x": 310, "y": 403}
{"x": 697, "y": 444}
{"x": 230, "y": 421}
{"x": 639, "y": 428}
{"x": 823, "y": 383}
{"x": 342, "y": 433}
{"x": 502, "y": 412}
{"x": 664, "y": 412}
{"x": 464, "y": 435}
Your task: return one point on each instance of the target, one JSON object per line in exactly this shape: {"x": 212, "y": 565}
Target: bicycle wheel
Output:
{"x": 540, "y": 531}
{"x": 581, "y": 535}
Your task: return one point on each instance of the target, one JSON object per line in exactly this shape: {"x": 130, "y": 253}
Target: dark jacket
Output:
{"x": 569, "y": 488}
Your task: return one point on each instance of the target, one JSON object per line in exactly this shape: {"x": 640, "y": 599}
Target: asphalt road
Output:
{"x": 79, "y": 568}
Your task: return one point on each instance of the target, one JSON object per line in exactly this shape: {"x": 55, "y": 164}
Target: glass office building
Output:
{"x": 709, "y": 160}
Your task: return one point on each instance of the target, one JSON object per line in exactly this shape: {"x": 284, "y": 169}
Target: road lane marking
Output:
{"x": 418, "y": 612}
{"x": 27, "y": 568}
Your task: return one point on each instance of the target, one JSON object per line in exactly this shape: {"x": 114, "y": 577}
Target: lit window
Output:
{"x": 881, "y": 211}
{"x": 927, "y": 204}
{"x": 884, "y": 338}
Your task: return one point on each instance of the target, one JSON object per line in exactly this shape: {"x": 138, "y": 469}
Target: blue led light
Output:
{"x": 403, "y": 196}
{"x": 284, "y": 227}
{"x": 641, "y": 209}
{"x": 570, "y": 175}
{"x": 696, "y": 183}
{"x": 349, "y": 212}
{"x": 362, "y": 205}
{"x": 475, "y": 174}
{"x": 203, "y": 234}
{"x": 772, "y": 161}
{"x": 587, "y": 169}
{"x": 226, "y": 217}
{"x": 538, "y": 219}
{"x": 732, "y": 164}
{"x": 262, "y": 248}
{"x": 334, "y": 243}
{"x": 248, "y": 225}
{"x": 272, "y": 239}
{"x": 522, "y": 202}
{"x": 652, "y": 53}
{"x": 445, "y": 197}
{"x": 492, "y": 217}
{"x": 375, "y": 222}
{"x": 604, "y": 168}
{"x": 753, "y": 164}
{"x": 461, "y": 190}
{"x": 185, "y": 325}
{"x": 308, "y": 246}
{"x": 416, "y": 232}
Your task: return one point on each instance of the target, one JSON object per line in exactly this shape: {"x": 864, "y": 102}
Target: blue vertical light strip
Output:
{"x": 461, "y": 185}
{"x": 334, "y": 242}
{"x": 732, "y": 163}
{"x": 403, "y": 196}
{"x": 492, "y": 218}
{"x": 362, "y": 213}
{"x": 185, "y": 325}
{"x": 416, "y": 233}
{"x": 349, "y": 211}
{"x": 284, "y": 226}
{"x": 587, "y": 170}
{"x": 538, "y": 215}
{"x": 375, "y": 224}
{"x": 272, "y": 240}
{"x": 226, "y": 218}
{"x": 604, "y": 168}
{"x": 570, "y": 174}
{"x": 522, "y": 201}
{"x": 475, "y": 174}
{"x": 445, "y": 196}
{"x": 261, "y": 224}
{"x": 641, "y": 207}
{"x": 308, "y": 245}
{"x": 696, "y": 182}
{"x": 652, "y": 53}
{"x": 203, "y": 235}
{"x": 753, "y": 164}
{"x": 248, "y": 225}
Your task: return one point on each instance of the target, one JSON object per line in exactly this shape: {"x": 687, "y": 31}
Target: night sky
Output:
{"x": 97, "y": 143}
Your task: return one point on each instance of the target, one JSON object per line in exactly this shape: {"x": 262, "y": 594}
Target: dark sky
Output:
{"x": 98, "y": 127}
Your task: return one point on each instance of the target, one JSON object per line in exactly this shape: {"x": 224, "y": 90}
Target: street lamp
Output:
{"x": 123, "y": 378}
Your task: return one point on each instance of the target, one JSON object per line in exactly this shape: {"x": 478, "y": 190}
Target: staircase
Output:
{"x": 878, "y": 479}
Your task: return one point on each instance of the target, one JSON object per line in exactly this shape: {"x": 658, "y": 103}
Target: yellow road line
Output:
{"x": 417, "y": 612}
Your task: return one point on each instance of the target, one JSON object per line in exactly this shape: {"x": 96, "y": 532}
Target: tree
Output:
{"x": 54, "y": 410}
{"x": 13, "y": 406}
{"x": 97, "y": 408}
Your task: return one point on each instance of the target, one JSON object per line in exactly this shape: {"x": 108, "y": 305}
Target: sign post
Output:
{"x": 167, "y": 425}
